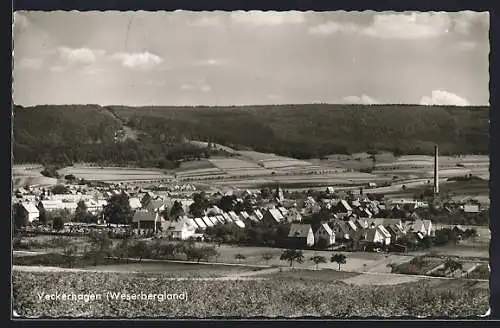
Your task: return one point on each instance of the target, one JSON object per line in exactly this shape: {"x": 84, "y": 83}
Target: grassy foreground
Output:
{"x": 286, "y": 296}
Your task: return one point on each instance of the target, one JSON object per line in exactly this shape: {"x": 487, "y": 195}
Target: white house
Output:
{"x": 301, "y": 234}
{"x": 325, "y": 232}
{"x": 182, "y": 229}
{"x": 29, "y": 211}
{"x": 207, "y": 221}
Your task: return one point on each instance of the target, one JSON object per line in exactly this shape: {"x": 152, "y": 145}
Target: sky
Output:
{"x": 250, "y": 58}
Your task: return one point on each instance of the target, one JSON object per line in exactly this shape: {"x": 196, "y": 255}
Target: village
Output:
{"x": 321, "y": 221}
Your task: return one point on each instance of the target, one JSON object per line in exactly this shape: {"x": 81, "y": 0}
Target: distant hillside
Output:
{"x": 86, "y": 133}
{"x": 305, "y": 131}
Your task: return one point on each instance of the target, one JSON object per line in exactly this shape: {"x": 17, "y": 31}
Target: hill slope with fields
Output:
{"x": 298, "y": 131}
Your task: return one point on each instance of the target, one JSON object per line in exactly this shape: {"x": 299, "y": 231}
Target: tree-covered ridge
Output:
{"x": 87, "y": 132}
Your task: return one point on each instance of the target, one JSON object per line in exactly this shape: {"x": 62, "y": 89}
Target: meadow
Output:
{"x": 113, "y": 173}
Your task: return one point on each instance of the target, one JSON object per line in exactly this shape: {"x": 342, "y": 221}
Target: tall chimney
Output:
{"x": 436, "y": 169}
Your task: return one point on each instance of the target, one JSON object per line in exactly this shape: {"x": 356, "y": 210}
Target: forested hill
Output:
{"x": 301, "y": 131}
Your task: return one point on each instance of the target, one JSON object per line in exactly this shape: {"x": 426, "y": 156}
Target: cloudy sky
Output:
{"x": 231, "y": 58}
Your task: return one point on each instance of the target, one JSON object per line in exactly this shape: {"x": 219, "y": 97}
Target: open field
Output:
{"x": 282, "y": 296}
{"x": 29, "y": 175}
{"x": 113, "y": 174}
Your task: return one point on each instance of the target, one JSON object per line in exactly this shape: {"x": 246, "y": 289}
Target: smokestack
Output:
{"x": 436, "y": 169}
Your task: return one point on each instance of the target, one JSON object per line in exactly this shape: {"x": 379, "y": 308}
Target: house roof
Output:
{"x": 275, "y": 214}
{"x": 213, "y": 219}
{"x": 258, "y": 214}
{"x": 239, "y": 223}
{"x": 386, "y": 222}
{"x": 346, "y": 205}
{"x": 299, "y": 230}
{"x": 383, "y": 231}
{"x": 30, "y": 208}
{"x": 207, "y": 221}
{"x": 227, "y": 217}
{"x": 233, "y": 215}
{"x": 200, "y": 223}
{"x": 154, "y": 204}
{"x": 143, "y": 216}
{"x": 326, "y": 228}
{"x": 220, "y": 218}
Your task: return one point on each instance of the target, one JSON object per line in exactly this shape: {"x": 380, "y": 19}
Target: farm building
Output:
{"x": 144, "y": 219}
{"x": 28, "y": 211}
{"x": 377, "y": 235}
{"x": 342, "y": 229}
{"x": 421, "y": 226}
{"x": 324, "y": 233}
{"x": 182, "y": 229}
{"x": 300, "y": 235}
{"x": 53, "y": 205}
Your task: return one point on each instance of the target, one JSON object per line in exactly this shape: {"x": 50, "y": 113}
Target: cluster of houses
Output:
{"x": 360, "y": 220}
{"x": 367, "y": 232}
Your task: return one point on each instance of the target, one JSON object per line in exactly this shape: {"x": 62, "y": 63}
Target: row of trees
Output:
{"x": 296, "y": 256}
{"x": 102, "y": 250}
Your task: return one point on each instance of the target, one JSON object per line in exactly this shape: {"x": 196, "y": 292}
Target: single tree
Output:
{"x": 58, "y": 223}
{"x": 292, "y": 255}
{"x": 118, "y": 210}
{"x": 176, "y": 211}
{"x": 339, "y": 259}
{"x": 267, "y": 256}
{"x": 317, "y": 259}
{"x": 81, "y": 212}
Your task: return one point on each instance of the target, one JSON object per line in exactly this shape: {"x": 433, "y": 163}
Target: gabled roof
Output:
{"x": 275, "y": 214}
{"x": 207, "y": 221}
{"x": 220, "y": 218}
{"x": 143, "y": 216}
{"x": 386, "y": 222}
{"x": 239, "y": 223}
{"x": 326, "y": 228}
{"x": 30, "y": 208}
{"x": 227, "y": 217}
{"x": 383, "y": 231}
{"x": 233, "y": 215}
{"x": 213, "y": 219}
{"x": 200, "y": 223}
{"x": 154, "y": 204}
{"x": 298, "y": 230}
{"x": 346, "y": 205}
{"x": 258, "y": 214}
